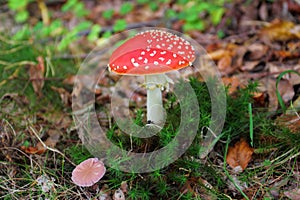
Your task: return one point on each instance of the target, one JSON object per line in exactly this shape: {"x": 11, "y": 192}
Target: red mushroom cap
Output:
{"x": 88, "y": 172}
{"x": 152, "y": 52}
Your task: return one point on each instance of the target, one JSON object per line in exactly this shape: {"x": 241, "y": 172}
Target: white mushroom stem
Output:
{"x": 154, "y": 85}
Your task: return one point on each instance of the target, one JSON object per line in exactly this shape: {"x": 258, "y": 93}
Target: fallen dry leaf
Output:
{"x": 224, "y": 64}
{"x": 239, "y": 155}
{"x": 280, "y": 31}
{"x": 53, "y": 138}
{"x": 291, "y": 119}
{"x": 64, "y": 95}
{"x": 218, "y": 54}
{"x": 234, "y": 83}
{"x": 36, "y": 75}
{"x": 256, "y": 51}
{"x": 284, "y": 87}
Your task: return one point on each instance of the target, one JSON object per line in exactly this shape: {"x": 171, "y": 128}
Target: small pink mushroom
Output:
{"x": 88, "y": 172}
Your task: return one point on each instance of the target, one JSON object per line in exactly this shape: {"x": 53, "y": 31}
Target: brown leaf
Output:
{"x": 218, "y": 54}
{"x": 234, "y": 83}
{"x": 36, "y": 75}
{"x": 124, "y": 187}
{"x": 257, "y": 51}
{"x": 53, "y": 138}
{"x": 224, "y": 64}
{"x": 239, "y": 155}
{"x": 291, "y": 118}
{"x": 280, "y": 31}
{"x": 263, "y": 11}
{"x": 285, "y": 89}
{"x": 64, "y": 95}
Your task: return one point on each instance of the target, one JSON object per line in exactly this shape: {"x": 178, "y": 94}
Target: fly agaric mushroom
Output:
{"x": 88, "y": 172}
{"x": 152, "y": 53}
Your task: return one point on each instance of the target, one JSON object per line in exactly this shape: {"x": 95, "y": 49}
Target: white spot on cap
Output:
{"x": 153, "y": 53}
{"x": 124, "y": 67}
{"x": 147, "y": 67}
{"x": 132, "y": 60}
{"x": 158, "y": 46}
{"x": 174, "y": 55}
{"x": 140, "y": 58}
{"x": 161, "y": 58}
{"x": 186, "y": 47}
{"x": 155, "y": 63}
{"x": 143, "y": 53}
{"x": 181, "y": 62}
{"x": 146, "y": 61}
{"x": 179, "y": 47}
{"x": 168, "y": 62}
{"x": 149, "y": 41}
{"x": 134, "y": 64}
{"x": 163, "y": 52}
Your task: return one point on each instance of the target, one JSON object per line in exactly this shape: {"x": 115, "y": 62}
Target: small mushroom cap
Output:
{"x": 152, "y": 52}
{"x": 88, "y": 172}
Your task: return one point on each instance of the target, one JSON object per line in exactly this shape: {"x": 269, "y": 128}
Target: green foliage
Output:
{"x": 280, "y": 100}
{"x": 19, "y": 6}
{"x": 108, "y": 14}
{"x": 195, "y": 9}
{"x": 94, "y": 33}
{"x": 126, "y": 8}
{"x": 120, "y": 25}
{"x": 76, "y": 7}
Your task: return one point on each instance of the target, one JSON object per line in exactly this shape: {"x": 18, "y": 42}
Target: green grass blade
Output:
{"x": 280, "y": 100}
{"x": 250, "y": 123}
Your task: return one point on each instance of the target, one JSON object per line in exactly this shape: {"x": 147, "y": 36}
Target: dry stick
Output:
{"x": 49, "y": 148}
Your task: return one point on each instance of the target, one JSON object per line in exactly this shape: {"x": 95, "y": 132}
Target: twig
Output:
{"x": 49, "y": 148}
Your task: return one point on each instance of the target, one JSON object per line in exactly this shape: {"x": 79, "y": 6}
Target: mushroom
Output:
{"x": 152, "y": 53}
{"x": 88, "y": 172}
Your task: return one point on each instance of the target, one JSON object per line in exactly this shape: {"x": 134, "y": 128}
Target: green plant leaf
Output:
{"x": 216, "y": 15}
{"x": 17, "y": 4}
{"x": 119, "y": 25}
{"x": 69, "y": 5}
{"x": 21, "y": 16}
{"x": 79, "y": 10}
{"x": 107, "y": 14}
{"x": 23, "y": 33}
{"x": 126, "y": 8}
{"x": 94, "y": 33}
